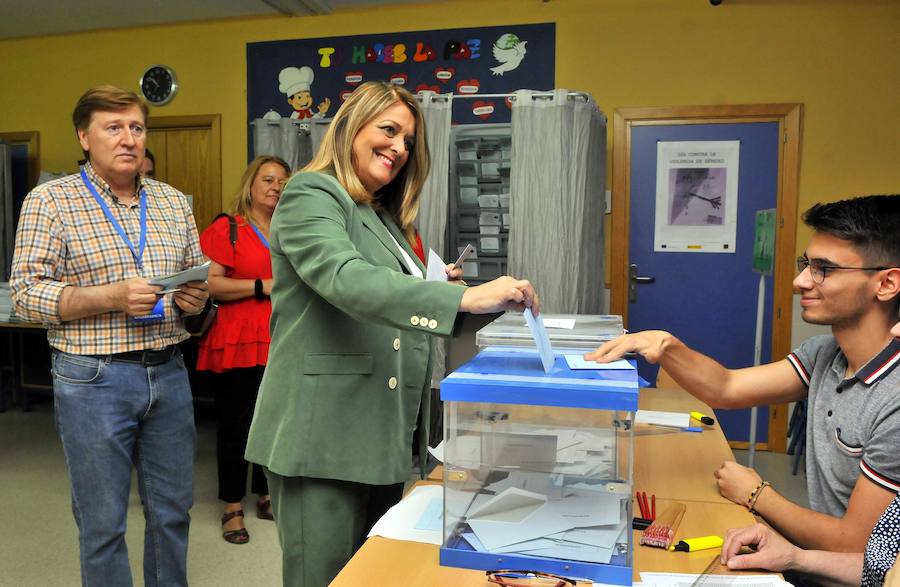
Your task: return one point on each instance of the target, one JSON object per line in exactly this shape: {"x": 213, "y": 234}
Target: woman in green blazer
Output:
{"x": 352, "y": 327}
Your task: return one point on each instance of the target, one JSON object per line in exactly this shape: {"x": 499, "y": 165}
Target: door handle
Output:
{"x": 633, "y": 280}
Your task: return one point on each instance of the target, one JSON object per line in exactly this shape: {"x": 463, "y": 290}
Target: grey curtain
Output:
{"x": 557, "y": 185}
{"x": 283, "y": 138}
{"x": 7, "y": 226}
{"x": 317, "y": 129}
{"x": 432, "y": 219}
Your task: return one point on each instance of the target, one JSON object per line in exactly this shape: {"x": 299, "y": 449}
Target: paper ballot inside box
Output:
{"x": 511, "y": 505}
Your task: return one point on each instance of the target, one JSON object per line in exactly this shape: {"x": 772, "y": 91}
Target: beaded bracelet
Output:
{"x": 754, "y": 495}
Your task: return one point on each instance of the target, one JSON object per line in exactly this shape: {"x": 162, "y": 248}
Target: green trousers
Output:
{"x": 322, "y": 522}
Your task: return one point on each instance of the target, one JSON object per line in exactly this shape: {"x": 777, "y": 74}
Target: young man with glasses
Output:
{"x": 849, "y": 279}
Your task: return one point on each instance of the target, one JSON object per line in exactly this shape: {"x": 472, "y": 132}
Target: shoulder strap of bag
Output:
{"x": 232, "y": 227}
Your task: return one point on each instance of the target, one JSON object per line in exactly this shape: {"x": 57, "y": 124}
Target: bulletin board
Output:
{"x": 310, "y": 78}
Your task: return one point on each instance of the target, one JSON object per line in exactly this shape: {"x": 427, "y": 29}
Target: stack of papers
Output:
{"x": 582, "y": 525}
{"x": 417, "y": 518}
{"x": 673, "y": 419}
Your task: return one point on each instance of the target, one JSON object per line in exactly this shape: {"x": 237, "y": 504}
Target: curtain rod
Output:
{"x": 294, "y": 121}
{"x": 542, "y": 95}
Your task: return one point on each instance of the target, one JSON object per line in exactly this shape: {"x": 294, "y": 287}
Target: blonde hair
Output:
{"x": 242, "y": 204}
{"x": 400, "y": 198}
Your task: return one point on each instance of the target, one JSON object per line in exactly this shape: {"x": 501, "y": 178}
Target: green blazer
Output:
{"x": 350, "y": 358}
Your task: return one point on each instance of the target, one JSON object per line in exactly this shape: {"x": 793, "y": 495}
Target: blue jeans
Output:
{"x": 113, "y": 415}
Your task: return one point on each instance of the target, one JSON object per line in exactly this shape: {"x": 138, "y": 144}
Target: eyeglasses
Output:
{"x": 535, "y": 579}
{"x": 819, "y": 272}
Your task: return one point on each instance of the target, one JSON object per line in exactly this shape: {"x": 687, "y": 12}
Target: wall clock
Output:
{"x": 159, "y": 84}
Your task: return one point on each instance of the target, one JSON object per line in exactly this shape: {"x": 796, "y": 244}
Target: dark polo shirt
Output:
{"x": 853, "y": 423}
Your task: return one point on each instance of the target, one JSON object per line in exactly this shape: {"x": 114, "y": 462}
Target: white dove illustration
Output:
{"x": 509, "y": 50}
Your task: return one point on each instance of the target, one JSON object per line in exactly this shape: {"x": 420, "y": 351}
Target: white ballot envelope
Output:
{"x": 511, "y": 505}
{"x": 173, "y": 280}
{"x": 541, "y": 338}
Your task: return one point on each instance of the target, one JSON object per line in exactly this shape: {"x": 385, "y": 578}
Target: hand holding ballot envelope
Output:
{"x": 501, "y": 294}
{"x": 189, "y": 286}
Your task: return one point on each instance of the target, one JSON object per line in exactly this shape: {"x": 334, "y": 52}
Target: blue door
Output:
{"x": 708, "y": 300}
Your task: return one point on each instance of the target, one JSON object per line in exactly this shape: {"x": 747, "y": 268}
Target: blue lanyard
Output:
{"x": 259, "y": 234}
{"x": 139, "y": 253}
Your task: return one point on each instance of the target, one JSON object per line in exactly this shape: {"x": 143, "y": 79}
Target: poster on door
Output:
{"x": 310, "y": 78}
{"x": 696, "y": 196}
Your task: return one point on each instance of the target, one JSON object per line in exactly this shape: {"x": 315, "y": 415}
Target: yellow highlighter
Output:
{"x": 702, "y": 418}
{"x": 702, "y": 543}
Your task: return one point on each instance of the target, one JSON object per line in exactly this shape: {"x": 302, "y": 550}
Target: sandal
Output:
{"x": 264, "y": 510}
{"x": 239, "y": 536}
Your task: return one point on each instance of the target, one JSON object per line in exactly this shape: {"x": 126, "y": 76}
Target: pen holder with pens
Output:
{"x": 661, "y": 532}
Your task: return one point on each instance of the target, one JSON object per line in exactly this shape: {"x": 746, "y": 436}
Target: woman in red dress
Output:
{"x": 236, "y": 346}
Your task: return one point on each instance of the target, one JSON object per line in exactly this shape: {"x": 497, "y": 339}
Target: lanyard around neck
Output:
{"x": 139, "y": 253}
{"x": 259, "y": 233}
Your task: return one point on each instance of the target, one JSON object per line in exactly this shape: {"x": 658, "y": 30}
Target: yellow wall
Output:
{"x": 841, "y": 59}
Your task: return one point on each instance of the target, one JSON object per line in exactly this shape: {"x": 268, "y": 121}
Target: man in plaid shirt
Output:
{"x": 87, "y": 246}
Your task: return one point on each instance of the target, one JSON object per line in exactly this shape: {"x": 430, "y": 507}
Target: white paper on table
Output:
{"x": 674, "y": 419}
{"x": 197, "y": 273}
{"x": 567, "y": 323}
{"x": 400, "y": 521}
{"x": 578, "y": 362}
{"x": 435, "y": 270}
{"x": 541, "y": 339}
{"x": 686, "y": 580}
{"x": 512, "y": 505}
{"x": 438, "y": 451}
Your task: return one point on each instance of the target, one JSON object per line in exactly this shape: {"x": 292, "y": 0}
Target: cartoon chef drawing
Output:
{"x": 295, "y": 83}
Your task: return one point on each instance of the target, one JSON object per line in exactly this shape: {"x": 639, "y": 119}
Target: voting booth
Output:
{"x": 538, "y": 465}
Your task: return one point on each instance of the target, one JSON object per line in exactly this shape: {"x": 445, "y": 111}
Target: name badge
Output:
{"x": 158, "y": 313}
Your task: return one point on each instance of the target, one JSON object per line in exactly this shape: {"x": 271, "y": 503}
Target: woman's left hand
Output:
{"x": 454, "y": 274}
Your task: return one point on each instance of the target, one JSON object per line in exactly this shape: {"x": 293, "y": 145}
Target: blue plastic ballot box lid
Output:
{"x": 508, "y": 375}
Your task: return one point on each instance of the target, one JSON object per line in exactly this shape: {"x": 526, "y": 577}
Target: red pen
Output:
{"x": 653, "y": 507}
{"x": 637, "y": 495}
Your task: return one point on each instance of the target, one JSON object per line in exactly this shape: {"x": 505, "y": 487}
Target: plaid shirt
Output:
{"x": 64, "y": 239}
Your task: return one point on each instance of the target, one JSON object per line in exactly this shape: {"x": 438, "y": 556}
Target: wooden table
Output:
{"x": 674, "y": 465}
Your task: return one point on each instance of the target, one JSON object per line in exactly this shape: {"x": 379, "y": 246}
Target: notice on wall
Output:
{"x": 696, "y": 196}
{"x": 764, "y": 242}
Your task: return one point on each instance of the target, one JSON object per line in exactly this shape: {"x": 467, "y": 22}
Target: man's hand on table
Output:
{"x": 773, "y": 552}
{"x": 736, "y": 482}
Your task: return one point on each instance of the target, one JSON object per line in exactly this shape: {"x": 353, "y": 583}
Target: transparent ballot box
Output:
{"x": 538, "y": 466}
